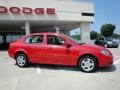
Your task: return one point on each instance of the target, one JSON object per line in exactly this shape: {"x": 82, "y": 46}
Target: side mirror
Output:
{"x": 67, "y": 44}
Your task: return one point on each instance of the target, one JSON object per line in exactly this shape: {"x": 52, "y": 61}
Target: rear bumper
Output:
{"x": 10, "y": 53}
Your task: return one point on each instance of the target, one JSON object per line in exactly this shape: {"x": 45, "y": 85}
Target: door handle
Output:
{"x": 49, "y": 48}
{"x": 30, "y": 47}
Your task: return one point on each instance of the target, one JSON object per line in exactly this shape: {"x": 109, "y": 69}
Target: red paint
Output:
{"x": 14, "y": 10}
{"x": 50, "y": 11}
{"x": 39, "y": 11}
{"x": 58, "y": 54}
{"x": 3, "y": 9}
{"x": 27, "y": 10}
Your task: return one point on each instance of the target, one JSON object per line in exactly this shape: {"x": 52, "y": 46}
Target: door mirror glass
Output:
{"x": 67, "y": 44}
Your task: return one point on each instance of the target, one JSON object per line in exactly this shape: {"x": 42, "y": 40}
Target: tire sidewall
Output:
{"x": 26, "y": 60}
{"x": 93, "y": 59}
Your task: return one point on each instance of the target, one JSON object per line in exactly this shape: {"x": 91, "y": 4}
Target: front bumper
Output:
{"x": 106, "y": 61}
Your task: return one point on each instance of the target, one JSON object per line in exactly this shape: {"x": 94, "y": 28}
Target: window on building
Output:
{"x": 11, "y": 38}
{"x": 1, "y": 39}
{"x": 87, "y": 14}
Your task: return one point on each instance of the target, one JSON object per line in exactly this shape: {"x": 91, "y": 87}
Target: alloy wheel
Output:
{"x": 87, "y": 64}
{"x": 21, "y": 60}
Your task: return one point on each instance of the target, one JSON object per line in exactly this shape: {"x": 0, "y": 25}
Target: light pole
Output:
{"x": 57, "y": 29}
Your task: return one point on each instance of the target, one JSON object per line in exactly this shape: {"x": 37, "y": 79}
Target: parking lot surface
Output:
{"x": 49, "y": 77}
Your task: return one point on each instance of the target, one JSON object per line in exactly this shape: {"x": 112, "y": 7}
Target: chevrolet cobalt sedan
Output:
{"x": 58, "y": 49}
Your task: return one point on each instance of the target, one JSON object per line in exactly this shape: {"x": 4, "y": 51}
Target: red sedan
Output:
{"x": 52, "y": 48}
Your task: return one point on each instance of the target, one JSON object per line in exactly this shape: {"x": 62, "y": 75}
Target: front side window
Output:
{"x": 61, "y": 40}
{"x": 54, "y": 40}
{"x": 34, "y": 39}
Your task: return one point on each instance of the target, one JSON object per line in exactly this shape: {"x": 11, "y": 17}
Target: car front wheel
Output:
{"x": 87, "y": 64}
{"x": 21, "y": 60}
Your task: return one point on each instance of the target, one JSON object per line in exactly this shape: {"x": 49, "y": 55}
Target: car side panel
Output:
{"x": 61, "y": 55}
{"x": 36, "y": 53}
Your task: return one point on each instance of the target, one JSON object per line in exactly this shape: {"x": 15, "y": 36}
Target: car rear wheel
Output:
{"x": 21, "y": 60}
{"x": 87, "y": 64}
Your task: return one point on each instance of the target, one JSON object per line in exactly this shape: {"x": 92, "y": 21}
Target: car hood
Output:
{"x": 91, "y": 47}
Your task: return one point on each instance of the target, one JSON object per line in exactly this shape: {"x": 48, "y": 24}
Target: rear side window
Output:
{"x": 34, "y": 39}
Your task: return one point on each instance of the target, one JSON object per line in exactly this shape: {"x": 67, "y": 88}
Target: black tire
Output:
{"x": 21, "y": 60}
{"x": 92, "y": 64}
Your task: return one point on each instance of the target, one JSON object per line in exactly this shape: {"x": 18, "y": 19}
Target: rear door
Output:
{"x": 35, "y": 48}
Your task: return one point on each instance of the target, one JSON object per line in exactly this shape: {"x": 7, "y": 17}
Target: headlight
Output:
{"x": 105, "y": 52}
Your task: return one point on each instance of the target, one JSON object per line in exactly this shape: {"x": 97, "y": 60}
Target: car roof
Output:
{"x": 49, "y": 33}
{"x": 41, "y": 33}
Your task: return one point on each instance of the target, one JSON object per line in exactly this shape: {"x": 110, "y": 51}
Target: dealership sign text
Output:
{"x": 27, "y": 10}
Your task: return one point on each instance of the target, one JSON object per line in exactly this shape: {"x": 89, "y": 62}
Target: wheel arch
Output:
{"x": 87, "y": 54}
{"x": 20, "y": 52}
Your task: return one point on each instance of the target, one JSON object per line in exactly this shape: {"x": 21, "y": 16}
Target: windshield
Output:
{"x": 108, "y": 39}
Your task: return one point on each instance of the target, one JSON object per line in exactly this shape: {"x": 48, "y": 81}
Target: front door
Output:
{"x": 56, "y": 52}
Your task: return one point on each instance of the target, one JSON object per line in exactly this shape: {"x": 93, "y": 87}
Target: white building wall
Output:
{"x": 67, "y": 11}
{"x": 85, "y": 32}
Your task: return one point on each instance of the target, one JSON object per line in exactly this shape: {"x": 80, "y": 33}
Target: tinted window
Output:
{"x": 109, "y": 39}
{"x": 61, "y": 40}
{"x": 10, "y": 38}
{"x": 87, "y": 14}
{"x": 34, "y": 39}
{"x": 52, "y": 39}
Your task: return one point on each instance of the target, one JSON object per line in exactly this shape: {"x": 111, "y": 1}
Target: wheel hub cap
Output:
{"x": 87, "y": 64}
{"x": 21, "y": 60}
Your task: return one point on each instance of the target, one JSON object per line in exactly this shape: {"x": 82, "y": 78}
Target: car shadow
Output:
{"x": 108, "y": 69}
{"x": 69, "y": 68}
{"x": 55, "y": 67}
